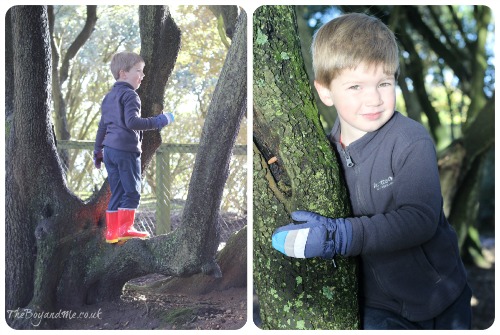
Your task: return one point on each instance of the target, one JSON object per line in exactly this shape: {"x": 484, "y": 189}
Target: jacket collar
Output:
{"x": 365, "y": 144}
{"x": 123, "y": 84}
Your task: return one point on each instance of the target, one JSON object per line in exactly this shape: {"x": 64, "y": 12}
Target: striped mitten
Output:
{"x": 316, "y": 236}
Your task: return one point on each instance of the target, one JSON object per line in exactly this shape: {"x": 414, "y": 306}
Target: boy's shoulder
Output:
{"x": 125, "y": 91}
{"x": 408, "y": 130}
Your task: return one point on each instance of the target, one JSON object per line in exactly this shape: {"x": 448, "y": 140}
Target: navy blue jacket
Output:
{"x": 410, "y": 262}
{"x": 121, "y": 124}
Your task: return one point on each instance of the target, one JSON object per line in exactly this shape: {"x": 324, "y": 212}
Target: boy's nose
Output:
{"x": 373, "y": 98}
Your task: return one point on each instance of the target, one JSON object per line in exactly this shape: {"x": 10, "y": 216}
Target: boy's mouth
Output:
{"x": 372, "y": 116}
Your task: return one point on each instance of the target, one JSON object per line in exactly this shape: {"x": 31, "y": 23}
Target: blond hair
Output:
{"x": 351, "y": 39}
{"x": 124, "y": 61}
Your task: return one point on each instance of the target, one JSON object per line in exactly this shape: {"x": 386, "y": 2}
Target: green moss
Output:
{"x": 261, "y": 38}
{"x": 179, "y": 316}
{"x": 328, "y": 293}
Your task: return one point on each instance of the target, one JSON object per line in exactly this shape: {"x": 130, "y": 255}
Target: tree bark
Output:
{"x": 26, "y": 198}
{"x": 56, "y": 255}
{"x": 228, "y": 15}
{"x": 328, "y": 114}
{"x": 211, "y": 168}
{"x": 293, "y": 293}
{"x": 233, "y": 264}
{"x": 160, "y": 44}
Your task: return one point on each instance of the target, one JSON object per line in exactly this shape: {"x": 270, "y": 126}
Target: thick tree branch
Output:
{"x": 79, "y": 41}
{"x": 459, "y": 67}
{"x": 160, "y": 44}
{"x": 229, "y": 17}
{"x": 227, "y": 108}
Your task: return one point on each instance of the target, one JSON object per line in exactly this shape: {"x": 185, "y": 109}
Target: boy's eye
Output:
{"x": 387, "y": 84}
{"x": 354, "y": 87}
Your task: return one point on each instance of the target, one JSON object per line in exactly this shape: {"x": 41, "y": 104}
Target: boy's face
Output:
{"x": 133, "y": 76}
{"x": 365, "y": 98}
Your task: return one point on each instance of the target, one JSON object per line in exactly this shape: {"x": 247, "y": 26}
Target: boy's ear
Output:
{"x": 324, "y": 94}
{"x": 122, "y": 74}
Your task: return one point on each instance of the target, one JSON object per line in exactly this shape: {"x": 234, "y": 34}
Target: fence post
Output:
{"x": 163, "y": 183}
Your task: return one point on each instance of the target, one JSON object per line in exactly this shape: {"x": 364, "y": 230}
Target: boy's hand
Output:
{"x": 98, "y": 159}
{"x": 317, "y": 236}
{"x": 170, "y": 117}
{"x": 164, "y": 119}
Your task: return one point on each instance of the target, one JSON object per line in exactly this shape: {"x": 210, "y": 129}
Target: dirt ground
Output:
{"x": 138, "y": 310}
{"x": 227, "y": 310}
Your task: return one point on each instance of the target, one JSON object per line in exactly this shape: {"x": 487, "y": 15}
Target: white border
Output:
{"x": 249, "y": 7}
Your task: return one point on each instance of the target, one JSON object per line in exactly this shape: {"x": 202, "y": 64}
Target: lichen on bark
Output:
{"x": 293, "y": 293}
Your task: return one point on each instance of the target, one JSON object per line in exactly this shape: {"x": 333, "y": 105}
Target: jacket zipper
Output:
{"x": 350, "y": 163}
{"x": 347, "y": 157}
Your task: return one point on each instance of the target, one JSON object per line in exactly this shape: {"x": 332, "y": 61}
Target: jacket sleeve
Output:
{"x": 101, "y": 133}
{"x": 418, "y": 205}
{"x": 132, "y": 113}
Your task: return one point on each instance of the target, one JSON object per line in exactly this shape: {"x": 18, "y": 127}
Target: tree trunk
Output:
{"x": 293, "y": 293}
{"x": 160, "y": 44}
{"x": 211, "y": 167}
{"x": 60, "y": 71}
{"x": 26, "y": 198}
{"x": 461, "y": 166}
{"x": 56, "y": 255}
{"x": 328, "y": 114}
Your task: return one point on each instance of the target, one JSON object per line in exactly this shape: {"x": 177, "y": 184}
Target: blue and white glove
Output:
{"x": 164, "y": 119}
{"x": 316, "y": 236}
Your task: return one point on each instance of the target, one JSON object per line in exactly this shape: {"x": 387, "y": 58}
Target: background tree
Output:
{"x": 293, "y": 293}
{"x": 60, "y": 71}
{"x": 446, "y": 83}
{"x": 193, "y": 80}
{"x": 55, "y": 253}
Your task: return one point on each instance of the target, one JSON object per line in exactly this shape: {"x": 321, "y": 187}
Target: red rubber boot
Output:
{"x": 112, "y": 226}
{"x": 126, "y": 231}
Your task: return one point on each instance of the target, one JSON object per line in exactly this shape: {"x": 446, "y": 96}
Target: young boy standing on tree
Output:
{"x": 118, "y": 143}
{"x": 412, "y": 276}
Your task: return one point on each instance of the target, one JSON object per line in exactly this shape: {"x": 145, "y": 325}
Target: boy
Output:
{"x": 411, "y": 274}
{"x": 119, "y": 136}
